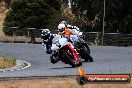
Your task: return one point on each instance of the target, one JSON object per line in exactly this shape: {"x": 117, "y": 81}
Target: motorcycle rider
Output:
{"x": 67, "y": 30}
{"x": 64, "y": 22}
{"x": 64, "y": 29}
{"x": 47, "y": 37}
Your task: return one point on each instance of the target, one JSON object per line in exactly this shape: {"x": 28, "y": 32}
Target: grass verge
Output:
{"x": 7, "y": 62}
{"x": 56, "y": 83}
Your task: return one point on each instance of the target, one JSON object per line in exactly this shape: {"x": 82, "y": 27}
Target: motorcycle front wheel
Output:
{"x": 53, "y": 60}
{"x": 69, "y": 59}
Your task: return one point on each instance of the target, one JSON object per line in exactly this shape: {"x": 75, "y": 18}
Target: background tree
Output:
{"x": 31, "y": 14}
{"x": 66, "y": 11}
{"x": 119, "y": 16}
{"x": 89, "y": 14}
{"x": 7, "y": 2}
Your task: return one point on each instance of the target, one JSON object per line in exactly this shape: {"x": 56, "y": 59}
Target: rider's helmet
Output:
{"x": 45, "y": 34}
{"x": 61, "y": 27}
{"x": 64, "y": 22}
{"x": 77, "y": 28}
{"x": 69, "y": 26}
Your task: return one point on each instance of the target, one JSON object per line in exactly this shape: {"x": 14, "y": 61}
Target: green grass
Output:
{"x": 7, "y": 61}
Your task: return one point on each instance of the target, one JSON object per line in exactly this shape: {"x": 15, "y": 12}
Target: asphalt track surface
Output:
{"x": 107, "y": 60}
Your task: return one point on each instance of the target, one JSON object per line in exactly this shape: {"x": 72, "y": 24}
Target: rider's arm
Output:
{"x": 42, "y": 41}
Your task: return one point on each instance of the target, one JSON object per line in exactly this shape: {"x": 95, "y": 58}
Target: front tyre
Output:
{"x": 69, "y": 59}
{"x": 80, "y": 64}
{"x": 53, "y": 60}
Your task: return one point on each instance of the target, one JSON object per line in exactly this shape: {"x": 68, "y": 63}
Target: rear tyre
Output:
{"x": 90, "y": 58}
{"x": 86, "y": 56}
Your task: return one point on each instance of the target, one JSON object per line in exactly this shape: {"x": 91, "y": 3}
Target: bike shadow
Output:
{"x": 84, "y": 61}
{"x": 61, "y": 67}
{"x": 66, "y": 67}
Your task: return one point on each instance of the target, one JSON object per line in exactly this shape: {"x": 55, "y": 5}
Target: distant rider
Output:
{"x": 67, "y": 30}
{"x": 47, "y": 37}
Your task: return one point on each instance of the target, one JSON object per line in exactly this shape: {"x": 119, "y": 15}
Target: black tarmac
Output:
{"x": 107, "y": 60}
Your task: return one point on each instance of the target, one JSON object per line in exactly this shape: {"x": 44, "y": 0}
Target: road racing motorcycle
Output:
{"x": 81, "y": 47}
{"x": 64, "y": 51}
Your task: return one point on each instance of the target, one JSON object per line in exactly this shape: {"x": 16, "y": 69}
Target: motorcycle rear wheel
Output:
{"x": 85, "y": 55}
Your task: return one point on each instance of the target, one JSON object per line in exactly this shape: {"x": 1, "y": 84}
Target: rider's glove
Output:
{"x": 43, "y": 45}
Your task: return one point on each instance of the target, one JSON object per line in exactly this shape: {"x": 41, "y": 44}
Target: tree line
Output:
{"x": 118, "y": 16}
{"x": 87, "y": 14}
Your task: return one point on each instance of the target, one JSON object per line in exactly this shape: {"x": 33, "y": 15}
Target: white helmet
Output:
{"x": 63, "y": 22}
{"x": 61, "y": 27}
{"x": 77, "y": 28}
{"x": 69, "y": 26}
{"x": 45, "y": 34}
